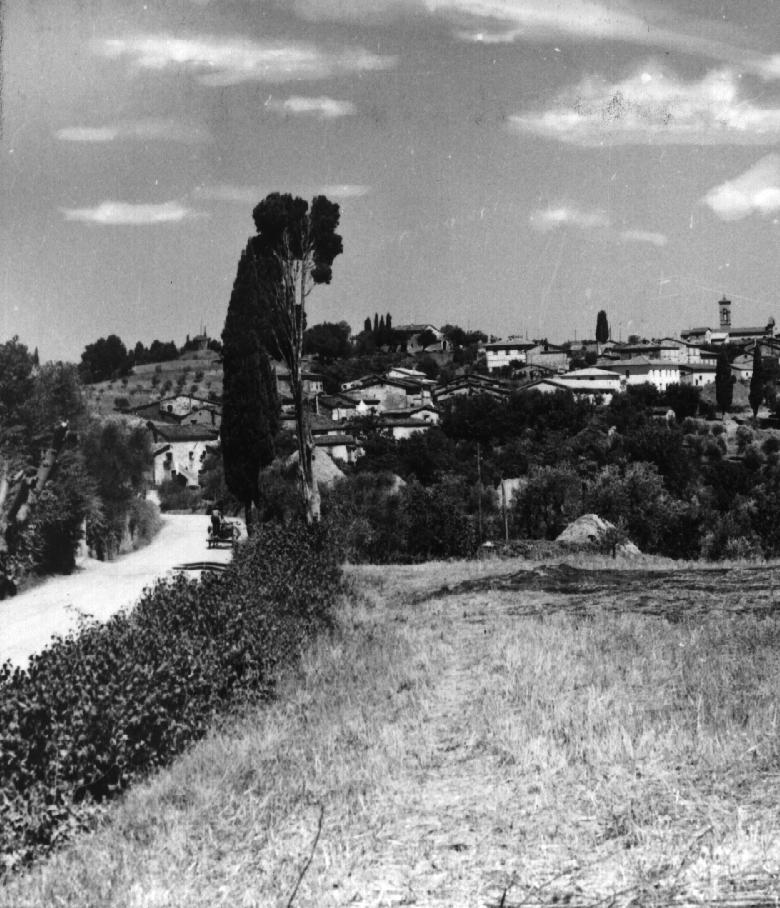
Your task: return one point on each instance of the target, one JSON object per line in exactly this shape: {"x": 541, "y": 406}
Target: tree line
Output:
{"x": 97, "y": 477}
{"x": 108, "y": 357}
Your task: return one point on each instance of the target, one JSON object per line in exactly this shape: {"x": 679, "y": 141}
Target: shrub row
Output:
{"x": 101, "y": 707}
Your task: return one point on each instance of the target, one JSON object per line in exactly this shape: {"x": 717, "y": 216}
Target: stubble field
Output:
{"x": 479, "y": 734}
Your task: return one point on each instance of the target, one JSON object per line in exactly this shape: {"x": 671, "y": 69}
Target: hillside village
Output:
{"x": 180, "y": 400}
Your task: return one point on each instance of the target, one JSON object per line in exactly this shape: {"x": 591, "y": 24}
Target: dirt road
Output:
{"x": 100, "y": 588}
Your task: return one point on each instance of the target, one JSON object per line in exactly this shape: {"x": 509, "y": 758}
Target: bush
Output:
{"x": 771, "y": 445}
{"x": 744, "y": 437}
{"x": 143, "y": 522}
{"x": 101, "y": 708}
{"x": 546, "y": 505}
{"x": 381, "y": 521}
{"x": 176, "y": 496}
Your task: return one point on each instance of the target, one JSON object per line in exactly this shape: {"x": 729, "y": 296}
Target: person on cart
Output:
{"x": 217, "y": 521}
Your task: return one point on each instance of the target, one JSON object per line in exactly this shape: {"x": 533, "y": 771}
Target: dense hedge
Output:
{"x": 102, "y": 707}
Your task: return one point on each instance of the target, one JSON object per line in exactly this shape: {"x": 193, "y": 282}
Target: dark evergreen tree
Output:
{"x": 367, "y": 325}
{"x": 250, "y": 405}
{"x": 602, "y": 327}
{"x": 724, "y": 382}
{"x": 756, "y": 396}
{"x": 106, "y": 358}
{"x": 376, "y": 323}
{"x": 292, "y": 252}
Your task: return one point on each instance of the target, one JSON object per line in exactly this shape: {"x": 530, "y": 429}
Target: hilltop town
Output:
{"x": 417, "y": 370}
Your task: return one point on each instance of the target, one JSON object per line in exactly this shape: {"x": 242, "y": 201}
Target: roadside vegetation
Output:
{"x": 97, "y": 482}
{"x": 103, "y": 707}
{"x": 464, "y": 736}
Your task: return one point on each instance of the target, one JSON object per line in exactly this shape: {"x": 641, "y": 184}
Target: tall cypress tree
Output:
{"x": 756, "y": 396}
{"x": 602, "y": 327}
{"x": 724, "y": 382}
{"x": 292, "y": 252}
{"x": 250, "y": 404}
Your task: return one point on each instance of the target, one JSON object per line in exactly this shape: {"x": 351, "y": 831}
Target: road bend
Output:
{"x": 98, "y": 589}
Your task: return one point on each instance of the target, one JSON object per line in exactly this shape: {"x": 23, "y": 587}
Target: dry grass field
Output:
{"x": 478, "y": 734}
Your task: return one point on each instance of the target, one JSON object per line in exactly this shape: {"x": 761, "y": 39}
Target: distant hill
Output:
{"x": 197, "y": 372}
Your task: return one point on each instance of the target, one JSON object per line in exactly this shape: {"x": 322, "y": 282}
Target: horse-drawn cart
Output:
{"x": 226, "y": 532}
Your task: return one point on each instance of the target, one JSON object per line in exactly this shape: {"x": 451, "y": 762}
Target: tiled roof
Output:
{"x": 170, "y": 432}
{"x": 328, "y": 441}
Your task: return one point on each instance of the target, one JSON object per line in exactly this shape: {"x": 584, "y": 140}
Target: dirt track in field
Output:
{"x": 100, "y": 588}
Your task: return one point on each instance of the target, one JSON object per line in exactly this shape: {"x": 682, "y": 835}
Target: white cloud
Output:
{"x": 220, "y": 61}
{"x": 151, "y": 129}
{"x": 595, "y": 222}
{"x": 345, "y": 190}
{"x": 644, "y": 236}
{"x": 756, "y": 191}
{"x": 545, "y": 219}
{"x": 88, "y": 134}
{"x": 503, "y": 21}
{"x": 323, "y": 108}
{"x": 120, "y": 213}
{"x": 653, "y": 106}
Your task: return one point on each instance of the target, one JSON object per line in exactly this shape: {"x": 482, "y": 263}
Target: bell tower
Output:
{"x": 724, "y": 307}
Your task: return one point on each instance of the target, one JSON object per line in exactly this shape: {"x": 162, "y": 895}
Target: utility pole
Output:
{"x": 506, "y": 516}
{"x": 479, "y": 493}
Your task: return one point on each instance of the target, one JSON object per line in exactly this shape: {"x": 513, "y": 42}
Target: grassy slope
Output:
{"x": 456, "y": 750}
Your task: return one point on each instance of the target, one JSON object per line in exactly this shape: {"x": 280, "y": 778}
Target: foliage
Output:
{"x": 547, "y": 503}
{"x": 16, "y": 385}
{"x": 426, "y": 339}
{"x": 117, "y": 458}
{"x": 428, "y": 365}
{"x": 106, "y": 358}
{"x": 102, "y": 707}
{"x": 724, "y": 382}
{"x": 177, "y": 496}
{"x": 292, "y": 252}
{"x": 250, "y": 403}
{"x": 683, "y": 399}
{"x": 143, "y": 522}
{"x": 327, "y": 341}
{"x": 602, "y": 327}
{"x": 382, "y": 520}
{"x": 424, "y": 456}
{"x": 158, "y": 352}
{"x": 757, "y": 380}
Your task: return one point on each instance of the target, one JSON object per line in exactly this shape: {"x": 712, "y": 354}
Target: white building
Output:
{"x": 504, "y": 353}
{"x": 179, "y": 451}
{"x": 640, "y": 369}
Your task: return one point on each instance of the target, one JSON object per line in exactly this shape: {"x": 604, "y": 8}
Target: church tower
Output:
{"x": 724, "y": 307}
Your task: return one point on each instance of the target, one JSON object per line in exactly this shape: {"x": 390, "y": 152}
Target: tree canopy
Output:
{"x": 106, "y": 358}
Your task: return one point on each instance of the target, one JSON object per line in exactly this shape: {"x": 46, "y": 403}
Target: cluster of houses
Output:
{"x": 690, "y": 359}
{"x": 403, "y": 401}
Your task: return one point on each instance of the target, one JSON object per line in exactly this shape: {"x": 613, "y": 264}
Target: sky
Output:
{"x": 508, "y": 165}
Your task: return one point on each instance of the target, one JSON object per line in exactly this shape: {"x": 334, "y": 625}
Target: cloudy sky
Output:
{"x": 512, "y": 165}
